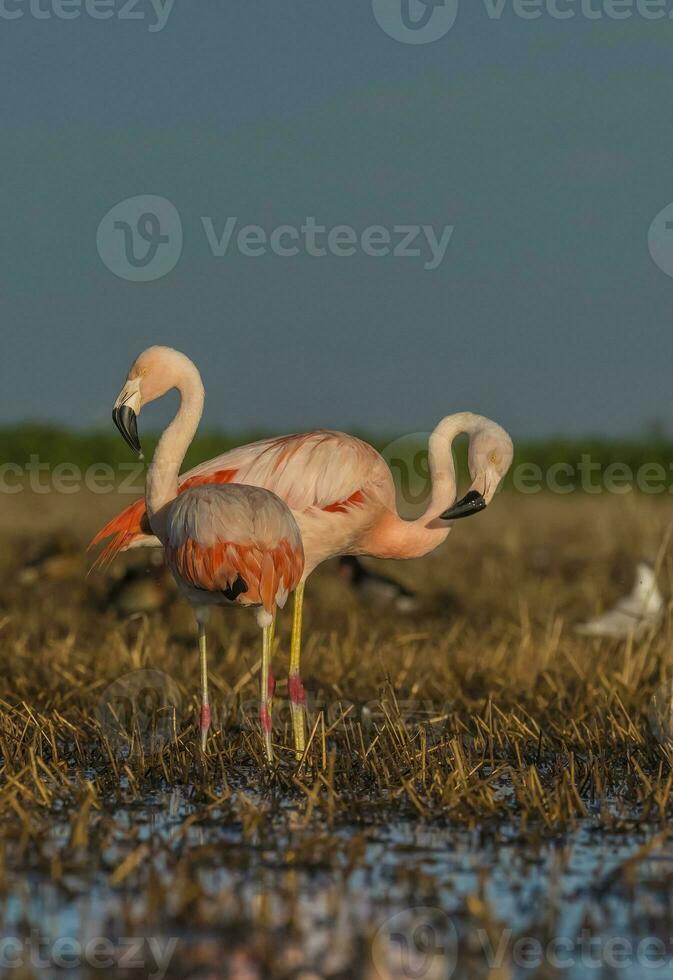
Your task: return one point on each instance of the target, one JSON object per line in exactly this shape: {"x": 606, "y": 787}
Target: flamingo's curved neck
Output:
{"x": 161, "y": 486}
{"x": 441, "y": 462}
{"x": 394, "y": 537}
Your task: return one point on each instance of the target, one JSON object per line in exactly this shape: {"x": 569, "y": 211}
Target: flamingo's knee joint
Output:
{"x": 265, "y": 718}
{"x": 296, "y": 689}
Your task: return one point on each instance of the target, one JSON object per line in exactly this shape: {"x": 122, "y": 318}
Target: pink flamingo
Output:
{"x": 224, "y": 544}
{"x": 342, "y": 495}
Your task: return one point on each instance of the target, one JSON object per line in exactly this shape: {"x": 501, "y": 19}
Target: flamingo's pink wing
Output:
{"x": 320, "y": 469}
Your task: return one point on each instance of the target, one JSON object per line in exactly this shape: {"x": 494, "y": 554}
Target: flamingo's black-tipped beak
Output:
{"x": 126, "y": 421}
{"x": 471, "y": 503}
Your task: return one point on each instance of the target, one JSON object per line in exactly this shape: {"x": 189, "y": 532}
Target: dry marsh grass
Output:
{"x": 483, "y": 719}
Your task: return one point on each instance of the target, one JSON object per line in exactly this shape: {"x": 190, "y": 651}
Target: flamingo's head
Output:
{"x": 489, "y": 458}
{"x": 152, "y": 374}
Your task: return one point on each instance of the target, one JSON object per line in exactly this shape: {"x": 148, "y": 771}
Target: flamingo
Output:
{"x": 341, "y": 493}
{"x": 225, "y": 544}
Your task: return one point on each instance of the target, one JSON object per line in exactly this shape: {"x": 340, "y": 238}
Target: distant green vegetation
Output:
{"x": 83, "y": 449}
{"x": 553, "y": 463}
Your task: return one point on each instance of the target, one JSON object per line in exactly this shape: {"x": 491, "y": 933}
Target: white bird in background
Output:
{"x": 635, "y": 614}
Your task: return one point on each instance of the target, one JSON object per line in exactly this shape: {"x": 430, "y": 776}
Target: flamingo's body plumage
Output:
{"x": 233, "y": 545}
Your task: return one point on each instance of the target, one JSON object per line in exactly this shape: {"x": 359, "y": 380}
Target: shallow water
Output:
{"x": 402, "y": 900}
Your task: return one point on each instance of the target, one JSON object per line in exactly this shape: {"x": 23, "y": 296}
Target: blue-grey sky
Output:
{"x": 546, "y": 143}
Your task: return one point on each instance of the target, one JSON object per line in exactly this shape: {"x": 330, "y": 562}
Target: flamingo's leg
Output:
{"x": 295, "y": 686}
{"x": 204, "y": 721}
{"x": 272, "y": 680}
{"x": 265, "y": 698}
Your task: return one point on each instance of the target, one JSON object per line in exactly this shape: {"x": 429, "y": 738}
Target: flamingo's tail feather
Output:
{"x": 124, "y": 530}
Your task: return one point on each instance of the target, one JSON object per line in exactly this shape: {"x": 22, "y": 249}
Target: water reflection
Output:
{"x": 175, "y": 893}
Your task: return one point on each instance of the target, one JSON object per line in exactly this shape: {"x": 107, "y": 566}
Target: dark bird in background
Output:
{"x": 141, "y": 587}
{"x": 57, "y": 558}
{"x": 376, "y": 589}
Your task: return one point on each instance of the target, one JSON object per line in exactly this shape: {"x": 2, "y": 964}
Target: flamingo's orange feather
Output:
{"x": 341, "y": 506}
{"x": 217, "y": 567}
